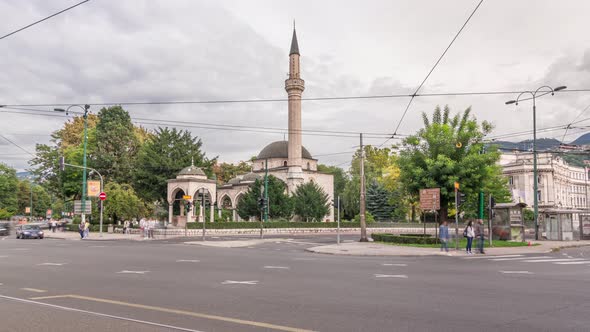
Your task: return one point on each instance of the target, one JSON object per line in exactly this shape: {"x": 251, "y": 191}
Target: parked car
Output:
{"x": 29, "y": 232}
{"x": 4, "y": 229}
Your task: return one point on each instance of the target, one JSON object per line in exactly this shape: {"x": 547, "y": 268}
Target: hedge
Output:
{"x": 403, "y": 239}
{"x": 270, "y": 224}
{"x": 93, "y": 228}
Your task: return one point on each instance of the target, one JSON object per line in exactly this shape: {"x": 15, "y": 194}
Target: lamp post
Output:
{"x": 85, "y": 108}
{"x": 551, "y": 90}
{"x": 101, "y": 201}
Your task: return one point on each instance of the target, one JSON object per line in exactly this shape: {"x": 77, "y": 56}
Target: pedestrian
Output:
{"x": 81, "y": 230}
{"x": 143, "y": 226}
{"x": 469, "y": 233}
{"x": 152, "y": 225}
{"x": 443, "y": 235}
{"x": 86, "y": 229}
{"x": 480, "y": 235}
{"x": 53, "y": 226}
{"x": 125, "y": 226}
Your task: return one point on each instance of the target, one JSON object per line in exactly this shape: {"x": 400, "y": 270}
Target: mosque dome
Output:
{"x": 280, "y": 149}
{"x": 192, "y": 171}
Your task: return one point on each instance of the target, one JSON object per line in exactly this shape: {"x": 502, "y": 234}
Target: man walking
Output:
{"x": 443, "y": 235}
{"x": 480, "y": 234}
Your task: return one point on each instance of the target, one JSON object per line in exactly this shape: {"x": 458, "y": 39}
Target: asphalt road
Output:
{"x": 59, "y": 285}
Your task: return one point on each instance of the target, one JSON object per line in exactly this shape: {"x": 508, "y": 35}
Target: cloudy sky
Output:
{"x": 108, "y": 51}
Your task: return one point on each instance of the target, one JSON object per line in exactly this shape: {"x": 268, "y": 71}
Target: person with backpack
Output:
{"x": 469, "y": 233}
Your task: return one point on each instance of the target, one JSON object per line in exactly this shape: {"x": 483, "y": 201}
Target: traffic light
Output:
{"x": 62, "y": 163}
{"x": 262, "y": 203}
{"x": 189, "y": 205}
{"x": 492, "y": 202}
{"x": 99, "y": 205}
{"x": 461, "y": 198}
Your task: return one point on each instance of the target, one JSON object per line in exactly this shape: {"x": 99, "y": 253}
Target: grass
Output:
{"x": 463, "y": 244}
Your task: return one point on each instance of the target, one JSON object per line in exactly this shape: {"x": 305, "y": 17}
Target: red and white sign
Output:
{"x": 102, "y": 196}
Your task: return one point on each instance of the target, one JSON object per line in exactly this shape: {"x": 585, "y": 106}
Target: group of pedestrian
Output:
{"x": 147, "y": 228}
{"x": 470, "y": 232}
{"x": 84, "y": 229}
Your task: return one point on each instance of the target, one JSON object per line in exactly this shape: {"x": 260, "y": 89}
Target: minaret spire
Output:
{"x": 294, "y": 86}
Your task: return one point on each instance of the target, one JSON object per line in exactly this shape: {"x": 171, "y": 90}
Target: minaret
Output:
{"x": 294, "y": 86}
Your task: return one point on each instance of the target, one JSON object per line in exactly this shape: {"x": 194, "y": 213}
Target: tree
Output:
{"x": 41, "y": 199}
{"x": 378, "y": 202}
{"x": 310, "y": 202}
{"x": 226, "y": 171}
{"x": 351, "y": 197}
{"x": 116, "y": 144}
{"x": 340, "y": 178}
{"x": 280, "y": 204}
{"x": 161, "y": 158}
{"x": 8, "y": 189}
{"x": 448, "y": 150}
{"x": 123, "y": 203}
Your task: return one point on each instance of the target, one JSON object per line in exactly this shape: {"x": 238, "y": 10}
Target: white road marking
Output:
{"x": 187, "y": 261}
{"x": 516, "y": 272}
{"x": 490, "y": 257}
{"x": 304, "y": 259}
{"x": 97, "y": 246}
{"x": 21, "y": 249}
{"x": 573, "y": 263}
{"x": 215, "y": 237}
{"x": 277, "y": 267}
{"x": 278, "y": 249}
{"x": 519, "y": 258}
{"x": 35, "y": 290}
{"x": 393, "y": 264}
{"x": 232, "y": 282}
{"x": 171, "y": 327}
{"x": 403, "y": 276}
{"x": 51, "y": 264}
{"x": 553, "y": 260}
{"x": 133, "y": 272}
{"x": 3, "y": 256}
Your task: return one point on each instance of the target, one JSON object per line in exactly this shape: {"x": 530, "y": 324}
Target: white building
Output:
{"x": 559, "y": 185}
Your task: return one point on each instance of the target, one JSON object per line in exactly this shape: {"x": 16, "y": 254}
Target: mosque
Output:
{"x": 288, "y": 160}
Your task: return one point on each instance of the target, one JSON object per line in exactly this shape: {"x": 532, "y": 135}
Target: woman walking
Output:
{"x": 469, "y": 234}
{"x": 443, "y": 234}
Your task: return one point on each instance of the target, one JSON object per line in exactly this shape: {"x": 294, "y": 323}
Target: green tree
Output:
{"x": 226, "y": 171}
{"x": 161, "y": 158}
{"x": 448, "y": 150}
{"x": 280, "y": 204}
{"x": 41, "y": 199}
{"x": 378, "y": 202}
{"x": 340, "y": 178}
{"x": 351, "y": 197}
{"x": 310, "y": 202}
{"x": 8, "y": 189}
{"x": 122, "y": 203}
{"x": 116, "y": 144}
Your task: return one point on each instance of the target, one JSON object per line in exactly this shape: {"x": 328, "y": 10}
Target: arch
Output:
{"x": 285, "y": 163}
{"x": 225, "y": 202}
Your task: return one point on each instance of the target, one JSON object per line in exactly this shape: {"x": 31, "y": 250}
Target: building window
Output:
{"x": 538, "y": 196}
{"x": 511, "y": 180}
{"x": 285, "y": 163}
{"x": 308, "y": 166}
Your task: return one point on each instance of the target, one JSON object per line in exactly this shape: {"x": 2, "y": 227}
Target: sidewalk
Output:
{"x": 93, "y": 236}
{"x": 379, "y": 249}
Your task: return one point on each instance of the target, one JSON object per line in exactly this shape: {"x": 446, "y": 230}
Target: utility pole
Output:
{"x": 266, "y": 206}
{"x": 363, "y": 198}
{"x": 457, "y": 216}
{"x": 490, "y": 207}
{"x": 338, "y": 229}
{"x": 31, "y": 205}
{"x": 203, "y": 210}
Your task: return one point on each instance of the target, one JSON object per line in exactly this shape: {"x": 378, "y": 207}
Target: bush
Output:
{"x": 404, "y": 239}
{"x": 271, "y": 224}
{"x": 416, "y": 235}
{"x": 368, "y": 218}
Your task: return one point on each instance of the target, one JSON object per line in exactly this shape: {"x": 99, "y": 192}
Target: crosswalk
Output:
{"x": 533, "y": 259}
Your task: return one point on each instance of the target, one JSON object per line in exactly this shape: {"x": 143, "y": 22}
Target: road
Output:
{"x": 59, "y": 285}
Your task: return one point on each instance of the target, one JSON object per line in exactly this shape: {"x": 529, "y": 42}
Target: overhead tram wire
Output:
{"x": 43, "y": 19}
{"x": 18, "y": 146}
{"x": 434, "y": 67}
{"x": 248, "y": 101}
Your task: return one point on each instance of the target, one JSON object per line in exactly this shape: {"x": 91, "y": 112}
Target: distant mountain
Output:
{"x": 582, "y": 140}
{"x": 23, "y": 175}
{"x": 527, "y": 145}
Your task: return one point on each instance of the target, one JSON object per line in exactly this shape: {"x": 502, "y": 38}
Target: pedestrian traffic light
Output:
{"x": 492, "y": 202}
{"x": 461, "y": 198}
{"x": 99, "y": 205}
{"x": 62, "y": 163}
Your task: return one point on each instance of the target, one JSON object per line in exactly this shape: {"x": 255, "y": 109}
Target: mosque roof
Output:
{"x": 294, "y": 44}
{"x": 280, "y": 149}
{"x": 192, "y": 170}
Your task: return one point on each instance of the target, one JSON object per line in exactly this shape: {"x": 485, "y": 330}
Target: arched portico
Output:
{"x": 191, "y": 181}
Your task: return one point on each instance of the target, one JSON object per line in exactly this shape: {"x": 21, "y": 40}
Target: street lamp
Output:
{"x": 536, "y": 180}
{"x": 85, "y": 108}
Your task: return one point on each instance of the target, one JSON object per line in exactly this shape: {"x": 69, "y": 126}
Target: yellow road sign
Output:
{"x": 187, "y": 197}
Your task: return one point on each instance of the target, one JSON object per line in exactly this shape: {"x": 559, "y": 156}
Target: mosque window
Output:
{"x": 285, "y": 163}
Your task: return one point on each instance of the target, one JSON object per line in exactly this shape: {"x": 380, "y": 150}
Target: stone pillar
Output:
{"x": 234, "y": 215}
{"x": 170, "y": 211}
{"x": 211, "y": 213}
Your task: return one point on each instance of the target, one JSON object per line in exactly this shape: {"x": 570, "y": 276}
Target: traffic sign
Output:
{"x": 430, "y": 199}
{"x": 102, "y": 196}
{"x": 187, "y": 197}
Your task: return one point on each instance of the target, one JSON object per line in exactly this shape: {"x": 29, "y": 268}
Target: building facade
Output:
{"x": 560, "y": 186}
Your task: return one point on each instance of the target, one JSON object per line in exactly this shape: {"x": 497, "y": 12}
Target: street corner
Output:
{"x": 376, "y": 249}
